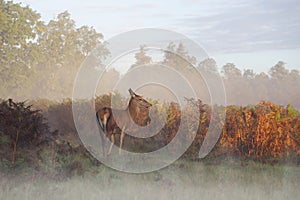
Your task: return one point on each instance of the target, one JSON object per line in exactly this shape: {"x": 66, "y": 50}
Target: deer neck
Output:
{"x": 132, "y": 110}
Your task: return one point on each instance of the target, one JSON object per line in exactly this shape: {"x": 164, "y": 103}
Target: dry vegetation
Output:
{"x": 264, "y": 132}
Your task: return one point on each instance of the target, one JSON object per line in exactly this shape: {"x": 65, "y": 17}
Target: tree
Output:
{"x": 141, "y": 57}
{"x": 208, "y": 65}
{"x": 279, "y": 71}
{"x": 38, "y": 59}
{"x": 58, "y": 42}
{"x": 87, "y": 40}
{"x": 294, "y": 74}
{"x": 178, "y": 58}
{"x": 249, "y": 74}
{"x": 64, "y": 48}
{"x": 262, "y": 76}
{"x": 230, "y": 71}
{"x": 19, "y": 29}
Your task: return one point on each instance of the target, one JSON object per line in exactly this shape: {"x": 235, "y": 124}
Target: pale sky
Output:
{"x": 252, "y": 34}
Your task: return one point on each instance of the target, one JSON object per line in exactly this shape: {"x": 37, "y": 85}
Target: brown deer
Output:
{"x": 136, "y": 112}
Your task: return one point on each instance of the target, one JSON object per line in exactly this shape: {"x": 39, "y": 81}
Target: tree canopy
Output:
{"x": 39, "y": 59}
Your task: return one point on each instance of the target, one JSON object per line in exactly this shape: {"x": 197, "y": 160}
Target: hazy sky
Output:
{"x": 252, "y": 34}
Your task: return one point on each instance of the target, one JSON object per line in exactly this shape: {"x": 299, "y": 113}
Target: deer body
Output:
{"x": 136, "y": 112}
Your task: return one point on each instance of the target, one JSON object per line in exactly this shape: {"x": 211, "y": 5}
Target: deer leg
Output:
{"x": 121, "y": 139}
{"x": 102, "y": 126}
{"x": 112, "y": 143}
{"x": 105, "y": 142}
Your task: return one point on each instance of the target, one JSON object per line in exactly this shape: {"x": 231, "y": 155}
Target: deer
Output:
{"x": 137, "y": 111}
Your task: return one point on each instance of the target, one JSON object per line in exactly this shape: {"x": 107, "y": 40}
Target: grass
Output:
{"x": 181, "y": 180}
{"x": 61, "y": 168}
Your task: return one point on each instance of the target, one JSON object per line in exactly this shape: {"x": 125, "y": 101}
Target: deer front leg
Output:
{"x": 121, "y": 139}
{"x": 112, "y": 143}
{"x": 106, "y": 146}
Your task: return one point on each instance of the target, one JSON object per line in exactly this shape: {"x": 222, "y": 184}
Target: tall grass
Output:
{"x": 181, "y": 180}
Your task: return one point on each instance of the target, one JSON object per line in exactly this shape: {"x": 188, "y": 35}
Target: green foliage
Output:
{"x": 208, "y": 65}
{"x": 64, "y": 48}
{"x": 22, "y": 130}
{"x": 230, "y": 71}
{"x": 36, "y": 147}
{"x": 178, "y": 57}
{"x": 291, "y": 111}
{"x": 19, "y": 29}
{"x": 279, "y": 72}
{"x": 41, "y": 60}
{"x": 277, "y": 116}
{"x": 142, "y": 58}
{"x": 17, "y": 117}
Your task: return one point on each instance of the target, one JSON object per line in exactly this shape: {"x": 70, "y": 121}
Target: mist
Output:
{"x": 181, "y": 180}
{"x": 249, "y": 121}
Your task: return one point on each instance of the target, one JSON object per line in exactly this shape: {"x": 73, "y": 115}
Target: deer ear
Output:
{"x": 131, "y": 92}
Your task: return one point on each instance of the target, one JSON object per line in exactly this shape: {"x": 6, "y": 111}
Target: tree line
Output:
{"x": 40, "y": 60}
{"x": 280, "y": 85}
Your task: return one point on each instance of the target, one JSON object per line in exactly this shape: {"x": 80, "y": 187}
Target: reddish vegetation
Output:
{"x": 265, "y": 132}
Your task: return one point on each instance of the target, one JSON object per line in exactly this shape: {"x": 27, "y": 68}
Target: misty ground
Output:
{"x": 181, "y": 180}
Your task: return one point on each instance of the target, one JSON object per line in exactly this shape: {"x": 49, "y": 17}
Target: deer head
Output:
{"x": 139, "y": 100}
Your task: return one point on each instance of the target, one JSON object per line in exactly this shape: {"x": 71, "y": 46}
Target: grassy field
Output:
{"x": 38, "y": 163}
{"x": 181, "y": 180}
